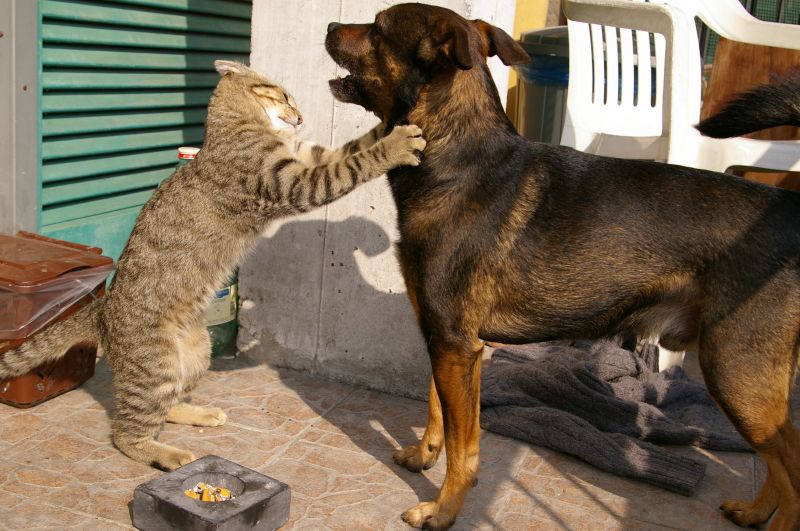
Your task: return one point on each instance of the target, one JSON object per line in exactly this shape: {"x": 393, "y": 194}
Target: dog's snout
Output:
{"x": 333, "y": 26}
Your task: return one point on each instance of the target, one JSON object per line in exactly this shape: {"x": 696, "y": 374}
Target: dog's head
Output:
{"x": 406, "y": 47}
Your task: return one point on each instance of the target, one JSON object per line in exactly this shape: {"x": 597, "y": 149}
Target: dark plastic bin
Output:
{"x": 43, "y": 280}
{"x": 542, "y": 88}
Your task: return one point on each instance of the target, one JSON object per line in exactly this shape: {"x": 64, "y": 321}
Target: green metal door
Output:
{"x": 123, "y": 83}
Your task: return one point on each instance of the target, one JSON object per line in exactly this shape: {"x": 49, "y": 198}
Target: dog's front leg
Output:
{"x": 457, "y": 376}
{"x": 423, "y": 456}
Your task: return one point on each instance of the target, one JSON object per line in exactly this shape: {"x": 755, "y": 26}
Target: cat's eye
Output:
{"x": 263, "y": 90}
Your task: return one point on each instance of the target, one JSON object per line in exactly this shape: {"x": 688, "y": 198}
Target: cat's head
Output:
{"x": 241, "y": 85}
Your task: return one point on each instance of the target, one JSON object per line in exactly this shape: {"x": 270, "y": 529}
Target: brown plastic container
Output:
{"x": 43, "y": 280}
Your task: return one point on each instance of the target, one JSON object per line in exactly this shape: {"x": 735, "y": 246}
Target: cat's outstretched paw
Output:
{"x": 405, "y": 145}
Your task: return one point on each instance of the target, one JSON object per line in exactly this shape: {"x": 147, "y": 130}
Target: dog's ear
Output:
{"x": 498, "y": 42}
{"x": 451, "y": 38}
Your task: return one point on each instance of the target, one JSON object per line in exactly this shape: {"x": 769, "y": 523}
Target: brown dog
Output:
{"x": 511, "y": 241}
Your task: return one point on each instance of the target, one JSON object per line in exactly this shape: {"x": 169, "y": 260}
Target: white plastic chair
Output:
{"x": 621, "y": 50}
{"x": 635, "y": 78}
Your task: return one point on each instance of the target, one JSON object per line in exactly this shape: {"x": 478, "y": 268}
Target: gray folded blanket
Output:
{"x": 600, "y": 402}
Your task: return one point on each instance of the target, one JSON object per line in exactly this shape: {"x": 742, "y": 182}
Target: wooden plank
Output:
{"x": 66, "y": 56}
{"x": 80, "y": 11}
{"x": 123, "y": 100}
{"x": 107, "y": 164}
{"x": 71, "y": 124}
{"x": 101, "y": 144}
{"x": 87, "y": 189}
{"x": 90, "y": 34}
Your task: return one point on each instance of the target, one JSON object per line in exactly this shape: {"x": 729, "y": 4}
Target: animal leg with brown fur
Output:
{"x": 779, "y": 492}
{"x": 457, "y": 374}
{"x": 423, "y": 456}
{"x": 751, "y": 377}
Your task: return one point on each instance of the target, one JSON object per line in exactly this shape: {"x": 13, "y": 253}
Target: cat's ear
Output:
{"x": 224, "y": 67}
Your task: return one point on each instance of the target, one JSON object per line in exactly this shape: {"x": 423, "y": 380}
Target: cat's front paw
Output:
{"x": 405, "y": 144}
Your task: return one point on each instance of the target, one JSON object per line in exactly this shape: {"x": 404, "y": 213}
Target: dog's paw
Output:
{"x": 405, "y": 145}
{"x": 746, "y": 514}
{"x": 414, "y": 459}
{"x": 426, "y": 515}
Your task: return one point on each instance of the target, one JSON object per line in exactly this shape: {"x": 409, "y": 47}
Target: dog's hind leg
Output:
{"x": 749, "y": 367}
{"x": 779, "y": 491}
{"x": 423, "y": 456}
{"x": 457, "y": 376}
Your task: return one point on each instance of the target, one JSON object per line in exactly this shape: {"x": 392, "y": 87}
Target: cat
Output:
{"x": 195, "y": 229}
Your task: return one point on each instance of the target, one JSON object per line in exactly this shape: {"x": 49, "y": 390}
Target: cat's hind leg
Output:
{"x": 148, "y": 380}
{"x": 195, "y": 351}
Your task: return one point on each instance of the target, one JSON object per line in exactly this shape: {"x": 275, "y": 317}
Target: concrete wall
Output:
{"x": 323, "y": 292}
{"x": 18, "y": 110}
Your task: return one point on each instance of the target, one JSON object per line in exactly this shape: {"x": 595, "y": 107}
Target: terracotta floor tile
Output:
{"x": 333, "y": 445}
{"x": 48, "y": 517}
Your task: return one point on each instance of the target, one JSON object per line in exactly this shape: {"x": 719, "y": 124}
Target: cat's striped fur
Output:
{"x": 195, "y": 229}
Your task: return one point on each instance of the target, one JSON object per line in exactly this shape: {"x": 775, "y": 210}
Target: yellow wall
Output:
{"x": 530, "y": 15}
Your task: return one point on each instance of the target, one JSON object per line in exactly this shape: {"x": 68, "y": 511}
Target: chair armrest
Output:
{"x": 731, "y": 20}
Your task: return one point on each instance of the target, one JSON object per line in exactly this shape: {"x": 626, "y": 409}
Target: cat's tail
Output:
{"x": 53, "y": 342}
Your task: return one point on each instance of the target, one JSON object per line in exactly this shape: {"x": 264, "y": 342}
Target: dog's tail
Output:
{"x": 53, "y": 342}
{"x": 760, "y": 108}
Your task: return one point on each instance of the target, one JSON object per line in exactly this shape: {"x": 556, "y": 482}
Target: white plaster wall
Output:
{"x": 18, "y": 108}
{"x": 323, "y": 291}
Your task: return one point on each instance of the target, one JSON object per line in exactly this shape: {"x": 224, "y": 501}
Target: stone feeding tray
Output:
{"x": 257, "y": 502}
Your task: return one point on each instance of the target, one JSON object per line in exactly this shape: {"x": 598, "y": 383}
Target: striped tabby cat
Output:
{"x": 188, "y": 238}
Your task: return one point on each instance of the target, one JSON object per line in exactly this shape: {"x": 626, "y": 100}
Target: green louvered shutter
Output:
{"x": 123, "y": 84}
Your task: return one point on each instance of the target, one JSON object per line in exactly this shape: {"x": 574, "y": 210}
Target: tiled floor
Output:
{"x": 332, "y": 444}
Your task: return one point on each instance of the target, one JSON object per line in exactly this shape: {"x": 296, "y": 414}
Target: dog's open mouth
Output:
{"x": 346, "y": 89}
{"x": 349, "y": 86}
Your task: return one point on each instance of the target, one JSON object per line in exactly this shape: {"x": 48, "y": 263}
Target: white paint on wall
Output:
{"x": 323, "y": 291}
{"x": 19, "y": 155}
